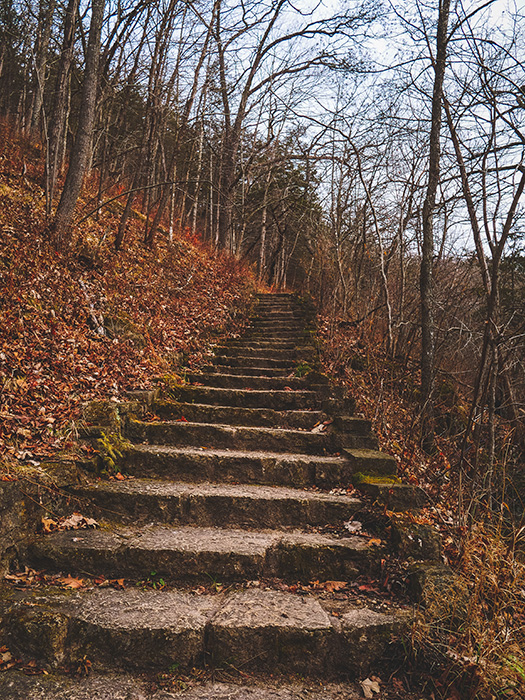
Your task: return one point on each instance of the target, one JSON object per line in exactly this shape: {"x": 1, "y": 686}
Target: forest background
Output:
{"x": 366, "y": 153}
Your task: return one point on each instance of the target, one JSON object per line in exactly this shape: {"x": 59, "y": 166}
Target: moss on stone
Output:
{"x": 386, "y": 479}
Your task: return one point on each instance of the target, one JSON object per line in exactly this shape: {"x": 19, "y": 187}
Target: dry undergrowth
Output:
{"x": 472, "y": 633}
{"x": 469, "y": 641}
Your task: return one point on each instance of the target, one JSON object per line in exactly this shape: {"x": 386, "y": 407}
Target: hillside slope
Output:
{"x": 91, "y": 322}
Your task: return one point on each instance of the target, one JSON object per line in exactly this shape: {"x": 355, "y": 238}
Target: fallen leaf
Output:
{"x": 332, "y": 586}
{"x": 374, "y": 542}
{"x": 370, "y": 687}
{"x": 77, "y": 521}
{"x": 70, "y": 582}
{"x": 49, "y": 525}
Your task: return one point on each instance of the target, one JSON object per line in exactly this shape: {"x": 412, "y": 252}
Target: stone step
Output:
{"x": 237, "y": 466}
{"x": 288, "y": 354}
{"x": 197, "y": 555}
{"x": 216, "y": 436}
{"x": 275, "y": 315}
{"x": 273, "y": 334}
{"x": 246, "y": 398}
{"x": 240, "y": 361}
{"x": 263, "y": 344}
{"x": 271, "y": 631}
{"x": 213, "y": 504}
{"x": 249, "y": 371}
{"x": 367, "y": 461}
{"x": 264, "y": 417}
{"x": 273, "y": 324}
{"x": 234, "y": 381}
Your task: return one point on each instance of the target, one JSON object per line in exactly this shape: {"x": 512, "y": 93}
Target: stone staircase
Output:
{"x": 234, "y": 484}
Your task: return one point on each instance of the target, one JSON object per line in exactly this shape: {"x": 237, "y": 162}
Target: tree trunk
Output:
{"x": 427, "y": 258}
{"x": 81, "y": 147}
{"x": 45, "y": 20}
{"x": 60, "y": 104}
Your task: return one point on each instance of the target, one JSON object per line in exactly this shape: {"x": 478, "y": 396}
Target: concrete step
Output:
{"x": 233, "y": 381}
{"x": 216, "y": 436}
{"x": 370, "y": 461}
{"x": 237, "y": 466}
{"x": 213, "y": 504}
{"x": 264, "y": 417}
{"x": 278, "y": 400}
{"x": 240, "y": 361}
{"x": 269, "y": 631}
{"x": 259, "y": 352}
{"x": 249, "y": 371}
{"x": 197, "y": 555}
{"x": 263, "y": 344}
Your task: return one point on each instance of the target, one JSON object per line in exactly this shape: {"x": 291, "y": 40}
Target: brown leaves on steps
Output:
{"x": 75, "y": 521}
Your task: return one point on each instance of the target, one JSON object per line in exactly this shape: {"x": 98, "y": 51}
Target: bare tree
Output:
{"x": 81, "y": 148}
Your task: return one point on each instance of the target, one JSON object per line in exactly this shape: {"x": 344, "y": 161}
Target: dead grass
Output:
{"x": 469, "y": 640}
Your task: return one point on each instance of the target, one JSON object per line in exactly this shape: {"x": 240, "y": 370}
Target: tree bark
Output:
{"x": 81, "y": 147}
{"x": 60, "y": 104}
{"x": 427, "y": 258}
{"x": 45, "y": 20}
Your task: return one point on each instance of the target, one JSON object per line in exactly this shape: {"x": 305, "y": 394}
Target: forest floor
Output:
{"x": 93, "y": 323}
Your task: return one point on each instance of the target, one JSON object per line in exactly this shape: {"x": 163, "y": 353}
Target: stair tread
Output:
{"x": 234, "y": 429}
{"x": 290, "y": 456}
{"x": 246, "y": 491}
{"x": 193, "y": 538}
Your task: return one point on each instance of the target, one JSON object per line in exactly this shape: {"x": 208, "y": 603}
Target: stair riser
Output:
{"x": 260, "y": 343}
{"x": 253, "y": 362}
{"x": 273, "y": 334}
{"x": 277, "y": 326}
{"x": 256, "y": 353}
{"x": 276, "y": 316}
{"x": 214, "y": 511}
{"x": 226, "y": 381}
{"x": 179, "y": 566}
{"x": 182, "y": 434}
{"x": 238, "y": 416}
{"x": 277, "y": 400}
{"x": 248, "y": 371}
{"x": 246, "y": 469}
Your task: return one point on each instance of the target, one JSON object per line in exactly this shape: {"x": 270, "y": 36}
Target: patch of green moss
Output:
{"x": 111, "y": 448}
{"x": 302, "y": 369}
{"x": 171, "y": 380}
{"x": 387, "y": 479}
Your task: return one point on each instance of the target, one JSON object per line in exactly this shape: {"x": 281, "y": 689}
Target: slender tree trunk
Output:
{"x": 264, "y": 225}
{"x": 45, "y": 21}
{"x": 427, "y": 258}
{"x": 57, "y": 133}
{"x": 81, "y": 147}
